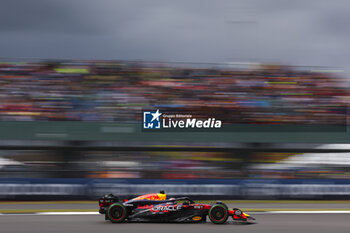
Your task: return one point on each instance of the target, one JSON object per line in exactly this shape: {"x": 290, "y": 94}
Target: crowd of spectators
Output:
{"x": 118, "y": 91}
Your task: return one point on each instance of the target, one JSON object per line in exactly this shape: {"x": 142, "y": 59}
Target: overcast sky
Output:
{"x": 294, "y": 32}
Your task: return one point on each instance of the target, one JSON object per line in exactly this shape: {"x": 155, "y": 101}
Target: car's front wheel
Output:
{"x": 117, "y": 213}
{"x": 218, "y": 214}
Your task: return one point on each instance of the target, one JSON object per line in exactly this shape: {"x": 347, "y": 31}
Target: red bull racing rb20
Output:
{"x": 155, "y": 207}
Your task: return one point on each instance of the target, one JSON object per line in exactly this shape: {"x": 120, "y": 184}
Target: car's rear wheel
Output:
{"x": 218, "y": 214}
{"x": 117, "y": 213}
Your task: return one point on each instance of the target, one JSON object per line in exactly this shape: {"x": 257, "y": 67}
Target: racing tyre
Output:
{"x": 218, "y": 214}
{"x": 220, "y": 202}
{"x": 117, "y": 213}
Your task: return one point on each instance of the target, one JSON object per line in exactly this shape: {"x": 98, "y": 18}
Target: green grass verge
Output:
{"x": 24, "y": 211}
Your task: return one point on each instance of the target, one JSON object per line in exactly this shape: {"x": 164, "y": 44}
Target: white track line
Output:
{"x": 68, "y": 213}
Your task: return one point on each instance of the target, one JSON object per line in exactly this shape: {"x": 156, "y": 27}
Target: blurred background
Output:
{"x": 75, "y": 78}
{"x": 77, "y": 123}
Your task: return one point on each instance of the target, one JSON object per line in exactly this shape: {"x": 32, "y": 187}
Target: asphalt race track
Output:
{"x": 33, "y": 217}
{"x": 293, "y": 223}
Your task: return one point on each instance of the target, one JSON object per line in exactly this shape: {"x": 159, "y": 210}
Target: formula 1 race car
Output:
{"x": 155, "y": 207}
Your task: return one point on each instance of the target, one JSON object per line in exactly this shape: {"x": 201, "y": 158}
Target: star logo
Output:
{"x": 156, "y": 115}
{"x": 151, "y": 120}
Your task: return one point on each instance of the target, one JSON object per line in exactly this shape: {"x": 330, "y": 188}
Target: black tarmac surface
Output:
{"x": 267, "y": 223}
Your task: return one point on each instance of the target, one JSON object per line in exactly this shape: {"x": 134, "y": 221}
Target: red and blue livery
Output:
{"x": 155, "y": 207}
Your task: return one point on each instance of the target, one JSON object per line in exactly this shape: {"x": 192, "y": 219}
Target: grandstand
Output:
{"x": 82, "y": 119}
